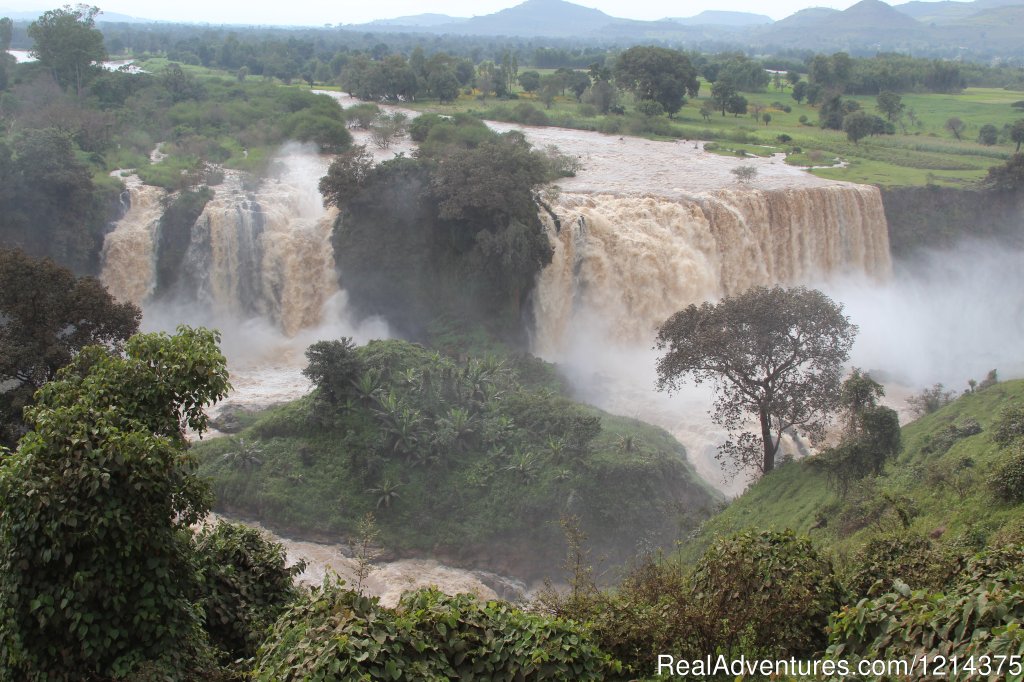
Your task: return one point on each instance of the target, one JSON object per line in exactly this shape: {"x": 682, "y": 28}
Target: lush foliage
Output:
{"x": 768, "y": 593}
{"x": 338, "y": 634}
{"x": 243, "y": 585}
{"x": 95, "y": 569}
{"x": 871, "y": 434}
{"x": 657, "y": 74}
{"x": 774, "y": 353}
{"x": 979, "y": 615}
{"x": 68, "y": 43}
{"x": 47, "y": 315}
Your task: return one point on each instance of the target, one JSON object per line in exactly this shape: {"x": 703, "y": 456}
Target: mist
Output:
{"x": 944, "y": 316}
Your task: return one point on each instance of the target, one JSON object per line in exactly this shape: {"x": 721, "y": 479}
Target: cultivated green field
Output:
{"x": 922, "y": 152}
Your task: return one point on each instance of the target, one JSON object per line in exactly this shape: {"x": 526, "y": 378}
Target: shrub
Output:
{"x": 243, "y": 586}
{"x": 930, "y": 400}
{"x": 1007, "y": 479}
{"x": 744, "y": 173}
{"x": 978, "y": 616}
{"x": 1009, "y": 425}
{"x": 769, "y": 594}
{"x": 428, "y": 636}
{"x": 912, "y": 559}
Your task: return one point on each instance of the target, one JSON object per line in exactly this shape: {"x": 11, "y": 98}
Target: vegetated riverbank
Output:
{"x": 471, "y": 463}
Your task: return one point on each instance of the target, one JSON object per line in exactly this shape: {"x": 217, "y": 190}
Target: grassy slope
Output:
{"x": 796, "y": 494}
{"x": 632, "y": 491}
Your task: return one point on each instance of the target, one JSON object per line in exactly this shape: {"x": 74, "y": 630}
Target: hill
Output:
{"x": 417, "y": 21}
{"x": 937, "y": 487}
{"x": 472, "y": 463}
{"x": 539, "y": 18}
{"x": 723, "y": 18}
{"x": 948, "y": 11}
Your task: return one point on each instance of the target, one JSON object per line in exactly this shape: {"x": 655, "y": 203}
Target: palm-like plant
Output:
{"x": 524, "y": 466}
{"x": 386, "y": 492}
{"x": 244, "y": 456}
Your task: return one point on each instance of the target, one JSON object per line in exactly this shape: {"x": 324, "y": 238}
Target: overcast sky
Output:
{"x": 319, "y": 12}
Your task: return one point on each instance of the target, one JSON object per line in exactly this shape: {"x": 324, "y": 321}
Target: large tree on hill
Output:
{"x": 68, "y": 42}
{"x": 47, "y": 316}
{"x": 659, "y": 74}
{"x": 775, "y": 354}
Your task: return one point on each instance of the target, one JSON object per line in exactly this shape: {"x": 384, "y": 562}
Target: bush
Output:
{"x": 912, "y": 559}
{"x": 768, "y": 594}
{"x": 930, "y": 400}
{"x": 428, "y": 636}
{"x": 1007, "y": 480}
{"x": 978, "y": 616}
{"x": 243, "y": 586}
{"x": 1009, "y": 425}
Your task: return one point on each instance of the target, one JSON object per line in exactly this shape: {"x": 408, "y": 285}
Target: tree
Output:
{"x": 773, "y": 353}
{"x": 444, "y": 84}
{"x": 871, "y": 434}
{"x": 890, "y": 104}
{"x": 1017, "y": 134}
{"x": 95, "y": 566}
{"x": 930, "y": 400}
{"x": 766, "y": 117}
{"x": 529, "y": 81}
{"x": 721, "y": 93}
{"x": 955, "y": 126}
{"x": 68, "y": 43}
{"x": 988, "y": 135}
{"x": 1008, "y": 177}
{"x": 706, "y": 109}
{"x": 744, "y": 173}
{"x": 346, "y": 176}
{"x": 858, "y": 125}
{"x": 603, "y": 95}
{"x": 737, "y": 105}
{"x": 799, "y": 91}
{"x": 6, "y": 33}
{"x": 577, "y": 82}
{"x": 659, "y": 74}
{"x": 47, "y": 316}
{"x": 334, "y": 368}
{"x": 834, "y": 110}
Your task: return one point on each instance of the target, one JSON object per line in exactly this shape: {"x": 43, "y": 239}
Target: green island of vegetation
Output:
{"x": 475, "y": 462}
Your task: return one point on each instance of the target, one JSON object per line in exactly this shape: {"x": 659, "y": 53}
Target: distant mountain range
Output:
{"x": 978, "y": 29}
{"x": 986, "y": 27}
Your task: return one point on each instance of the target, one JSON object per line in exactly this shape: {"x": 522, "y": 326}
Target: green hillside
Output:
{"x": 928, "y": 490}
{"x": 475, "y": 463}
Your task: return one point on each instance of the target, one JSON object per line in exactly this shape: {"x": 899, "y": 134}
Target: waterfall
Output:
{"x": 260, "y": 251}
{"x": 129, "y": 251}
{"x": 625, "y": 263}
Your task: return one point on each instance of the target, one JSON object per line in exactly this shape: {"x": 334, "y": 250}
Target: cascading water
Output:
{"x": 266, "y": 253}
{"x": 129, "y": 252}
{"x": 626, "y": 263}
